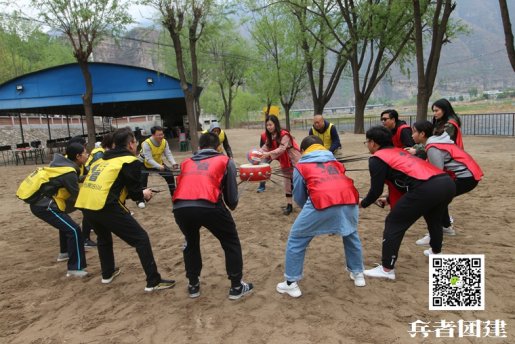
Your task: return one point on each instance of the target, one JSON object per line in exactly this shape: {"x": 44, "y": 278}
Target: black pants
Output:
{"x": 117, "y": 220}
{"x": 69, "y": 230}
{"x": 86, "y": 235}
{"x": 167, "y": 175}
{"x": 221, "y": 224}
{"x": 428, "y": 200}
{"x": 463, "y": 185}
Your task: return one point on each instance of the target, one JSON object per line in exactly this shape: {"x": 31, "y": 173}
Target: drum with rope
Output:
{"x": 255, "y": 173}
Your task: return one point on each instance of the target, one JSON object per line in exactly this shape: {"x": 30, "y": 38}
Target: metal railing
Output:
{"x": 495, "y": 124}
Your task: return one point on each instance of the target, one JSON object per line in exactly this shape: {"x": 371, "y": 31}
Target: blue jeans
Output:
{"x": 296, "y": 251}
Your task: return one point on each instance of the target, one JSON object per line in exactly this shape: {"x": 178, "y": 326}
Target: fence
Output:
{"x": 495, "y": 124}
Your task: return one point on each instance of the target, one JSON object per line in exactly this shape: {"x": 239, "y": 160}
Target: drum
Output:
{"x": 255, "y": 173}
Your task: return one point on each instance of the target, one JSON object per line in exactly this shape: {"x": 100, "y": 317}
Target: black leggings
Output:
{"x": 428, "y": 200}
{"x": 463, "y": 185}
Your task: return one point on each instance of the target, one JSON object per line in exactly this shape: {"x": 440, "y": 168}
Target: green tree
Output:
{"x": 24, "y": 48}
{"x": 228, "y": 65}
{"x": 186, "y": 20}
{"x": 379, "y": 34}
{"x": 432, "y": 24}
{"x": 85, "y": 24}
{"x": 315, "y": 40}
{"x": 275, "y": 32}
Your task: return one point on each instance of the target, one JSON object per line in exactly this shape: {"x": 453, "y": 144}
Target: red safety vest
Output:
{"x": 459, "y": 137}
{"x": 201, "y": 180}
{"x": 460, "y": 156}
{"x": 402, "y": 161}
{"x": 327, "y": 184}
{"x": 397, "y": 137}
{"x": 284, "y": 159}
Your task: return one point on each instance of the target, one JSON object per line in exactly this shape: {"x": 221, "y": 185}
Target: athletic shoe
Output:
{"x": 194, "y": 290}
{"x": 260, "y": 189}
{"x": 115, "y": 273}
{"x": 288, "y": 209}
{"x": 62, "y": 257}
{"x": 424, "y": 241}
{"x": 76, "y": 273}
{"x": 379, "y": 272}
{"x": 429, "y": 252}
{"x": 88, "y": 243}
{"x": 358, "y": 278}
{"x": 163, "y": 284}
{"x": 293, "y": 289}
{"x": 449, "y": 230}
{"x": 239, "y": 292}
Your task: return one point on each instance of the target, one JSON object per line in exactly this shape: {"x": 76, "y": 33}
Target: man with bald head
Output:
{"x": 327, "y": 133}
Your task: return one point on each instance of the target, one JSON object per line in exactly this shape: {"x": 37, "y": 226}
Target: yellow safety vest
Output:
{"x": 157, "y": 152}
{"x": 221, "y": 138}
{"x": 325, "y": 137}
{"x": 29, "y": 187}
{"x": 93, "y": 152}
{"x": 95, "y": 190}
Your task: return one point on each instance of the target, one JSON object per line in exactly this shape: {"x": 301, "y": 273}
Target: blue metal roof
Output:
{"x": 118, "y": 90}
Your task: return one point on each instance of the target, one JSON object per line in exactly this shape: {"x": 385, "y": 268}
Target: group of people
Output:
{"x": 206, "y": 189}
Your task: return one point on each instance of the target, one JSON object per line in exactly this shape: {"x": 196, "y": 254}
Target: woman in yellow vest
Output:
{"x": 51, "y": 192}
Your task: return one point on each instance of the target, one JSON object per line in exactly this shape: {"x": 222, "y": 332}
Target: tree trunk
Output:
{"x": 508, "y": 34}
{"x": 227, "y": 115}
{"x": 87, "y": 99}
{"x": 318, "y": 106}
{"x": 359, "y": 113}
{"x": 286, "y": 108}
{"x": 192, "y": 120}
{"x": 422, "y": 101}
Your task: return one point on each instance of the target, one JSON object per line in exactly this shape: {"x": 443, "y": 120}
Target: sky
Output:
{"x": 141, "y": 14}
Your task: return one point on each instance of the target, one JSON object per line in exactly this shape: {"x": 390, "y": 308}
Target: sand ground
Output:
{"x": 40, "y": 305}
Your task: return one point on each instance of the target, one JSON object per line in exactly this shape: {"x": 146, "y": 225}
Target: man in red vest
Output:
{"x": 416, "y": 188}
{"x": 329, "y": 204}
{"x": 401, "y": 132}
{"x": 206, "y": 185}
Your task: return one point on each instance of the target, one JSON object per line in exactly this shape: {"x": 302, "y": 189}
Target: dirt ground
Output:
{"x": 40, "y": 305}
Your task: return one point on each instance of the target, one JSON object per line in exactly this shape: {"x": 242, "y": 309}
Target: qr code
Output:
{"x": 457, "y": 282}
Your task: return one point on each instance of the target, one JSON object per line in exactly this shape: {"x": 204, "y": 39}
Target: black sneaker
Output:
{"x": 194, "y": 290}
{"x": 163, "y": 284}
{"x": 288, "y": 209}
{"x": 242, "y": 290}
{"x": 115, "y": 273}
{"x": 88, "y": 243}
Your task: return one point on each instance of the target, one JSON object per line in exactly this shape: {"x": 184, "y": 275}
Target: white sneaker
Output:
{"x": 429, "y": 252}
{"x": 424, "y": 241}
{"x": 379, "y": 272}
{"x": 76, "y": 273}
{"x": 358, "y": 278}
{"x": 449, "y": 230}
{"x": 62, "y": 257}
{"x": 293, "y": 289}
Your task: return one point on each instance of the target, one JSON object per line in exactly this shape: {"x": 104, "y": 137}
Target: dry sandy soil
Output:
{"x": 40, "y": 305}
